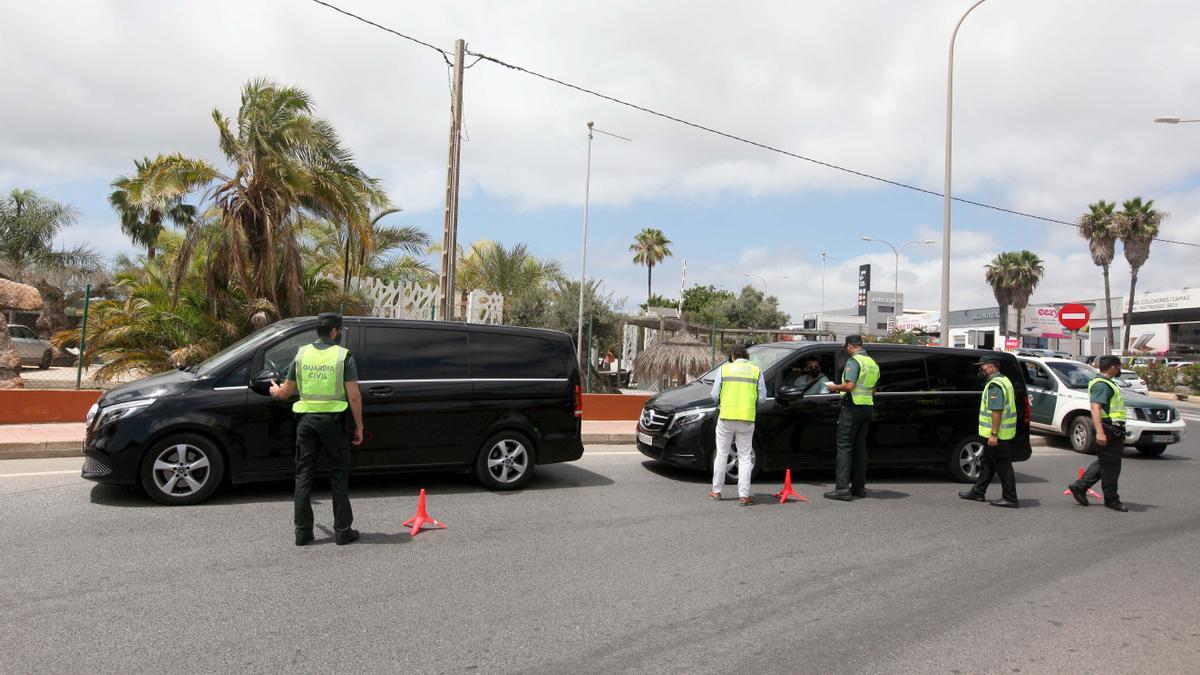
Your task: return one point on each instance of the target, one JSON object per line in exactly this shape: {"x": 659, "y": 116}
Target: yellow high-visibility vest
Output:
{"x": 864, "y": 385}
{"x": 319, "y": 375}
{"x": 1116, "y": 404}
{"x": 739, "y": 391}
{"x": 1008, "y": 418}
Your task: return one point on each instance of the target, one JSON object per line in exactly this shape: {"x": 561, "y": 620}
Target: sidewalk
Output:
{"x": 36, "y": 441}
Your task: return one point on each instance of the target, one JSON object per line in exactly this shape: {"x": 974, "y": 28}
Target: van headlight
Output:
{"x": 688, "y": 418}
{"x": 91, "y": 415}
{"x": 119, "y": 411}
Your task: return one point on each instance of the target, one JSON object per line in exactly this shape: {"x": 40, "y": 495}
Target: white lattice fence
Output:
{"x": 410, "y": 300}
{"x": 485, "y": 307}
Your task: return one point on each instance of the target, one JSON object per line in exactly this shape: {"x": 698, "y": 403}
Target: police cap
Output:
{"x": 992, "y": 359}
{"x": 329, "y": 320}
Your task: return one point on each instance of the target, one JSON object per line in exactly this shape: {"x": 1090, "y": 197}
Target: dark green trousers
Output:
{"x": 853, "y": 423}
{"x": 1107, "y": 468}
{"x": 315, "y": 431}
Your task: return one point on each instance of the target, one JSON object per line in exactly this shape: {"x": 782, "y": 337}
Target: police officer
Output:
{"x": 1108, "y": 418}
{"x": 858, "y": 403}
{"x": 737, "y": 387}
{"x": 327, "y": 379}
{"x": 997, "y": 428}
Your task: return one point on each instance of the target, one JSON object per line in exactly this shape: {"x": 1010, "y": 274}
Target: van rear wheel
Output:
{"x": 505, "y": 462}
{"x": 965, "y": 459}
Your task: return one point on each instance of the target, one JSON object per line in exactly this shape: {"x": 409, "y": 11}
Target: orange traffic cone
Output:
{"x": 422, "y": 521}
{"x": 1091, "y": 492}
{"x": 787, "y": 490}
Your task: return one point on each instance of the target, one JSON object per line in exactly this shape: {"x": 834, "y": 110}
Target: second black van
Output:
{"x": 926, "y": 412}
{"x": 497, "y": 400}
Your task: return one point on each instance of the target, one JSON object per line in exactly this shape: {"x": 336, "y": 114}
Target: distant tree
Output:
{"x": 1024, "y": 273}
{"x": 659, "y": 301}
{"x": 154, "y": 194}
{"x": 29, "y": 224}
{"x": 996, "y": 275}
{"x": 699, "y": 298}
{"x": 1099, "y": 227}
{"x": 1137, "y": 225}
{"x": 752, "y": 308}
{"x": 650, "y": 247}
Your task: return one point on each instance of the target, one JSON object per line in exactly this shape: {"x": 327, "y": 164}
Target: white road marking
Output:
{"x": 592, "y": 454}
{"x": 38, "y": 473}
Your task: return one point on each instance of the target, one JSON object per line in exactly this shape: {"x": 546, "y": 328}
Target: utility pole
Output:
{"x": 446, "y": 301}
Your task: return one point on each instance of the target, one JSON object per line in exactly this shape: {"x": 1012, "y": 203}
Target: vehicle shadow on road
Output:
{"x": 1139, "y": 457}
{"x": 549, "y": 477}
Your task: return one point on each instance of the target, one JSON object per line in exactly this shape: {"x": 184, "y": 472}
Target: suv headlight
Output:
{"x": 121, "y": 410}
{"x": 687, "y": 418}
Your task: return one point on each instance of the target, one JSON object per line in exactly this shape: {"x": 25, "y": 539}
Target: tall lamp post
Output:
{"x": 896, "y": 287}
{"x": 945, "y": 318}
{"x": 1172, "y": 120}
{"x": 587, "y": 187}
{"x": 764, "y": 279}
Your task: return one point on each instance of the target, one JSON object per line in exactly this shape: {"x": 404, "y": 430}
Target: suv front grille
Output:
{"x": 653, "y": 420}
{"x": 1154, "y": 415}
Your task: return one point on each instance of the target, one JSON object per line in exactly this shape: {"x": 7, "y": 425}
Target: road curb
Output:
{"x": 41, "y": 449}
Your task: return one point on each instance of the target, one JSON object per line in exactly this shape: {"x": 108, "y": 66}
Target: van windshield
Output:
{"x": 763, "y": 356}
{"x": 241, "y": 348}
{"x": 1074, "y": 375}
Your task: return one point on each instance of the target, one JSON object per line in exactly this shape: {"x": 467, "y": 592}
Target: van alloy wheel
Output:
{"x": 507, "y": 461}
{"x": 969, "y": 457}
{"x": 181, "y": 470}
{"x": 731, "y": 465}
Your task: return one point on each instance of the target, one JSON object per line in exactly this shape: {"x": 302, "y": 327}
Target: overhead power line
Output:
{"x": 728, "y": 135}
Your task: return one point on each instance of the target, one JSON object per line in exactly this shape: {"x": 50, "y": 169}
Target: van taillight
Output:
{"x": 578, "y": 402}
{"x": 1028, "y": 409}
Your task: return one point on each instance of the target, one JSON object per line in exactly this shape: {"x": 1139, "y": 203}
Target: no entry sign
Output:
{"x": 1073, "y": 316}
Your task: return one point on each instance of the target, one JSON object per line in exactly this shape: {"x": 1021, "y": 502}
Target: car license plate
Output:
{"x": 645, "y": 438}
{"x": 1162, "y": 438}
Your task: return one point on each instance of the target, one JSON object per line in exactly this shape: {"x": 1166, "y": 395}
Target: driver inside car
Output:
{"x": 809, "y": 377}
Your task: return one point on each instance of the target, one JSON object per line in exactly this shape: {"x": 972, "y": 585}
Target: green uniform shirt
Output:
{"x": 349, "y": 371}
{"x": 995, "y": 396}
{"x": 850, "y": 373}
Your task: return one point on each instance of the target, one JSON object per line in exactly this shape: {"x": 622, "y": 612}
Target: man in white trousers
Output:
{"x": 737, "y": 389}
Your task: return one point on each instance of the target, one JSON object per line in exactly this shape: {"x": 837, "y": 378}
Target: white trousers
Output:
{"x": 729, "y": 431}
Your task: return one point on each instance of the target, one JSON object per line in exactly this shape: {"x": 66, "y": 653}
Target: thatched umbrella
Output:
{"x": 677, "y": 360}
{"x": 18, "y": 297}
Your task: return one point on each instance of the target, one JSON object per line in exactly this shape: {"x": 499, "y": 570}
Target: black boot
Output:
{"x": 345, "y": 537}
{"x": 840, "y": 495}
{"x": 1079, "y": 493}
{"x": 972, "y": 495}
{"x": 1116, "y": 506}
{"x": 1006, "y": 503}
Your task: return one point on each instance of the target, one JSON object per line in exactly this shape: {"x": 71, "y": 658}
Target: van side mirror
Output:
{"x": 261, "y": 383}
{"x": 789, "y": 394}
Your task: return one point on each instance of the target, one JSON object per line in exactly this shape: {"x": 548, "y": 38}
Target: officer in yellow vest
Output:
{"x": 997, "y": 428}
{"x": 1108, "y": 419}
{"x": 737, "y": 387}
{"x": 327, "y": 380}
{"x": 858, "y": 403}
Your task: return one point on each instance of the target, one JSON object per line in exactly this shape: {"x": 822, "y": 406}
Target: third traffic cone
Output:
{"x": 1091, "y": 492}
{"x": 787, "y": 490}
{"x": 422, "y": 521}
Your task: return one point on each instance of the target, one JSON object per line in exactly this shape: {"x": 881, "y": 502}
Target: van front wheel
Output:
{"x": 965, "y": 458}
{"x": 505, "y": 461}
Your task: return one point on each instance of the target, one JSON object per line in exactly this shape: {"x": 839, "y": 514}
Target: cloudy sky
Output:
{"x": 1054, "y": 105}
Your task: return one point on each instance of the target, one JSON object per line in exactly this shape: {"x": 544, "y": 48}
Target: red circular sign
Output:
{"x": 1073, "y": 316}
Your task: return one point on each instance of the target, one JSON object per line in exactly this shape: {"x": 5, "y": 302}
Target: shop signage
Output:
{"x": 1167, "y": 300}
{"x": 864, "y": 287}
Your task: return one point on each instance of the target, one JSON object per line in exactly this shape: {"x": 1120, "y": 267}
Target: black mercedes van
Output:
{"x": 926, "y": 412}
{"x": 494, "y": 399}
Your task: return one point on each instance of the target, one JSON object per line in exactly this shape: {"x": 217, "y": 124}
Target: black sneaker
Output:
{"x": 304, "y": 538}
{"x": 840, "y": 495}
{"x": 1116, "y": 506}
{"x": 972, "y": 495}
{"x": 859, "y": 493}
{"x": 345, "y": 537}
{"x": 1079, "y": 493}
{"x": 1006, "y": 503}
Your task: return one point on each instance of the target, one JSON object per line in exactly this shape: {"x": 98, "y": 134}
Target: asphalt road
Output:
{"x": 609, "y": 564}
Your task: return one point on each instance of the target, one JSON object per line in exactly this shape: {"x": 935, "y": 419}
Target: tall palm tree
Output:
{"x": 154, "y": 194}
{"x": 1099, "y": 227}
{"x": 1025, "y": 271}
{"x": 29, "y": 224}
{"x": 1137, "y": 225}
{"x": 286, "y": 161}
{"x": 650, "y": 247}
{"x": 996, "y": 273}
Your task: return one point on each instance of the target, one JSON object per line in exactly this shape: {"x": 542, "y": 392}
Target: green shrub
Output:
{"x": 1157, "y": 376}
{"x": 1191, "y": 377}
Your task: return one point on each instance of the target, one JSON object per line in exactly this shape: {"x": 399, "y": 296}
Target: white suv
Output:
{"x": 1060, "y": 405}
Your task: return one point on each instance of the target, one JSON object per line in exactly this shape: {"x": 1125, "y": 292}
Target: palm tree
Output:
{"x": 390, "y": 254}
{"x": 650, "y": 247}
{"x": 1137, "y": 226}
{"x": 286, "y": 162}
{"x": 996, "y": 273}
{"x": 29, "y": 224}
{"x": 1098, "y": 226}
{"x": 1024, "y": 272}
{"x": 155, "y": 193}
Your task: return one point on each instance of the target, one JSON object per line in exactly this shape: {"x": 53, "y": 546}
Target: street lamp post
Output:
{"x": 587, "y": 186}
{"x": 896, "y": 287}
{"x": 764, "y": 279}
{"x": 945, "y": 329}
{"x": 1172, "y": 120}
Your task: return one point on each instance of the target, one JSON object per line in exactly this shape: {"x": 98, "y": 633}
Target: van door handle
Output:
{"x": 379, "y": 391}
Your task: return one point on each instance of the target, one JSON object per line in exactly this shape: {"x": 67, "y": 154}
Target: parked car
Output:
{"x": 1058, "y": 393}
{"x": 926, "y": 412}
{"x": 494, "y": 399}
{"x": 1135, "y": 382}
{"x": 1047, "y": 353}
{"x": 32, "y": 350}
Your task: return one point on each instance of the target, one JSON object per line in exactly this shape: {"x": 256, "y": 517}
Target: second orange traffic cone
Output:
{"x": 787, "y": 490}
{"x": 422, "y": 521}
{"x": 1091, "y": 492}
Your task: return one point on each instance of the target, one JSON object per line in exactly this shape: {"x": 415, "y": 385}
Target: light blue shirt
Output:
{"x": 716, "y": 388}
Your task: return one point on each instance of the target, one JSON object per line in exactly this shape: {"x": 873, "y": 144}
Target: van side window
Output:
{"x": 900, "y": 371}
{"x": 279, "y": 356}
{"x": 953, "y": 372}
{"x": 501, "y": 356}
{"x": 400, "y": 353}
{"x": 238, "y": 377}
